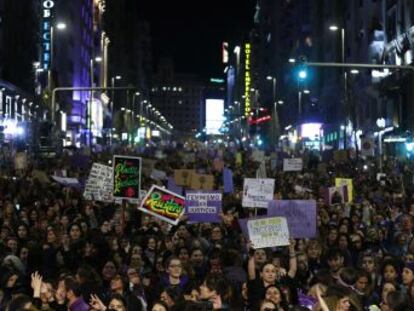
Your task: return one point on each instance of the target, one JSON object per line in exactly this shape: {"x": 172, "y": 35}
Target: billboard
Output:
{"x": 214, "y": 115}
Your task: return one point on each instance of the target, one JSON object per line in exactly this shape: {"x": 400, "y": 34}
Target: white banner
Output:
{"x": 257, "y": 192}
{"x": 99, "y": 184}
{"x": 292, "y": 165}
{"x": 268, "y": 232}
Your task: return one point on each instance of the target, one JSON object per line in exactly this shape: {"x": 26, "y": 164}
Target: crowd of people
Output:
{"x": 59, "y": 251}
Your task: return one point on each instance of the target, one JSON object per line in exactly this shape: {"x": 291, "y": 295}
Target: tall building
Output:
{"x": 179, "y": 97}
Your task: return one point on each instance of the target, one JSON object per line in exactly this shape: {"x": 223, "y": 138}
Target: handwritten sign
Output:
{"x": 257, "y": 192}
{"x": 337, "y": 195}
{"x": 202, "y": 182}
{"x": 203, "y": 206}
{"x": 183, "y": 177}
{"x": 268, "y": 232}
{"x": 98, "y": 186}
{"x": 300, "y": 216}
{"x": 292, "y": 165}
{"x": 163, "y": 204}
{"x": 348, "y": 183}
{"x": 127, "y": 177}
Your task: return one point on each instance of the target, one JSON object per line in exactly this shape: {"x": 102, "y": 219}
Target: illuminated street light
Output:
{"x": 292, "y": 60}
{"x": 61, "y": 26}
{"x": 302, "y": 74}
{"x": 98, "y": 59}
{"x": 333, "y": 28}
{"x": 306, "y": 91}
{"x": 354, "y": 71}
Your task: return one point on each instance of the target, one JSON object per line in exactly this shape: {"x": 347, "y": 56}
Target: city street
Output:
{"x": 232, "y": 155}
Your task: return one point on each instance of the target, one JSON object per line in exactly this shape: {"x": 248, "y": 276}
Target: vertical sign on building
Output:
{"x": 247, "y": 79}
{"x": 46, "y": 29}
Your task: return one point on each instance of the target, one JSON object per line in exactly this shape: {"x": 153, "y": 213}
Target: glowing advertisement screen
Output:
{"x": 214, "y": 115}
{"x": 310, "y": 130}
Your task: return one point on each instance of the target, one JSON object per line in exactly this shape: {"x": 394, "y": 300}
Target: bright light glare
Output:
{"x": 292, "y": 60}
{"x": 61, "y": 26}
{"x": 310, "y": 130}
{"x": 214, "y": 115}
{"x": 333, "y": 28}
{"x": 409, "y": 146}
{"x": 303, "y": 74}
{"x": 354, "y": 71}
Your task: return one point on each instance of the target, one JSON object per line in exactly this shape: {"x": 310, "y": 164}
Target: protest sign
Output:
{"x": 202, "y": 182}
{"x": 337, "y": 195}
{"x": 20, "y": 161}
{"x": 261, "y": 171}
{"x": 268, "y": 232}
{"x": 258, "y": 155}
{"x": 292, "y": 165}
{"x": 127, "y": 177}
{"x": 67, "y": 181}
{"x": 163, "y": 204}
{"x": 257, "y": 192}
{"x": 158, "y": 174}
{"x": 346, "y": 182}
{"x": 98, "y": 186}
{"x": 203, "y": 206}
{"x": 228, "y": 180}
{"x": 183, "y": 177}
{"x": 300, "y": 216}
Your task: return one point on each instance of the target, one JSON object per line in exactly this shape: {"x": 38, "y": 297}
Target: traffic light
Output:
{"x": 302, "y": 70}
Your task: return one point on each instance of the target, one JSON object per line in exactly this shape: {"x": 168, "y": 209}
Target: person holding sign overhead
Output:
{"x": 269, "y": 275}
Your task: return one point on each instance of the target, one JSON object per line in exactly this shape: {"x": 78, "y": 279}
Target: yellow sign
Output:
{"x": 247, "y": 79}
{"x": 348, "y": 183}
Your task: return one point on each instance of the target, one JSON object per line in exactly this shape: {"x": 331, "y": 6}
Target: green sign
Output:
{"x": 127, "y": 177}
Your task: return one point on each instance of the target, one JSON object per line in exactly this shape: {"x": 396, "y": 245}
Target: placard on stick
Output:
{"x": 127, "y": 177}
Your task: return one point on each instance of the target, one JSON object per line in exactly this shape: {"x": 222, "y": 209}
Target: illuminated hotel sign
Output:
{"x": 247, "y": 80}
{"x": 47, "y": 16}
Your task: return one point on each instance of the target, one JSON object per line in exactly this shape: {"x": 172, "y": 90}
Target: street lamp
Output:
{"x": 275, "y": 113}
{"x": 381, "y": 124}
{"x": 61, "y": 27}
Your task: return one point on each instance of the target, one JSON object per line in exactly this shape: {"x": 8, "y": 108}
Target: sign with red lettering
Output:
{"x": 127, "y": 177}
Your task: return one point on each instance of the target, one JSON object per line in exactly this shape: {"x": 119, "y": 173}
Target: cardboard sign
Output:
{"x": 337, "y": 195}
{"x": 127, "y": 177}
{"x": 292, "y": 165}
{"x": 268, "y": 232}
{"x": 203, "y": 206}
{"x": 202, "y": 182}
{"x": 300, "y": 216}
{"x": 163, "y": 204}
{"x": 67, "y": 181}
{"x": 183, "y": 177}
{"x": 98, "y": 186}
{"x": 20, "y": 161}
{"x": 257, "y": 192}
{"x": 346, "y": 182}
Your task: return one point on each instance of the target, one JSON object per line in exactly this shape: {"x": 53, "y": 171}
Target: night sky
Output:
{"x": 192, "y": 31}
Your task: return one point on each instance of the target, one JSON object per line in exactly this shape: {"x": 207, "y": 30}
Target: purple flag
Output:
{"x": 300, "y": 216}
{"x": 203, "y": 206}
{"x": 228, "y": 180}
{"x": 173, "y": 187}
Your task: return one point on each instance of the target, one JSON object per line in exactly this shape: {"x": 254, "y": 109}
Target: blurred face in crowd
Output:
{"x": 116, "y": 283}
{"x": 268, "y": 273}
{"x": 332, "y": 235}
{"x": 22, "y": 232}
{"x": 175, "y": 268}
{"x": 64, "y": 221}
{"x": 268, "y": 306}
{"x": 273, "y": 294}
{"x": 357, "y": 241}
{"x": 12, "y": 244}
{"x": 244, "y": 292}
{"x": 390, "y": 273}
{"x": 343, "y": 304}
{"x": 105, "y": 227}
{"x": 133, "y": 276}
{"x": 368, "y": 264}
{"x": 24, "y": 254}
{"x": 46, "y": 292}
{"x": 205, "y": 292}
{"x": 362, "y": 284}
{"x": 407, "y": 224}
{"x": 75, "y": 232}
{"x": 343, "y": 242}
{"x": 182, "y": 232}
{"x": 184, "y": 255}
{"x": 386, "y": 289}
{"x": 197, "y": 257}
{"x": 165, "y": 298}
{"x": 260, "y": 256}
{"x": 152, "y": 244}
{"x": 407, "y": 276}
{"x": 302, "y": 262}
{"x": 51, "y": 236}
{"x": 216, "y": 234}
{"x": 116, "y": 305}
{"x": 335, "y": 263}
{"x": 109, "y": 270}
{"x": 313, "y": 251}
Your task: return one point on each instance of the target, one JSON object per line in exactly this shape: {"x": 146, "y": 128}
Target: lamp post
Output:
{"x": 335, "y": 28}
{"x": 381, "y": 124}
{"x": 275, "y": 112}
{"x": 97, "y": 59}
{"x": 60, "y": 27}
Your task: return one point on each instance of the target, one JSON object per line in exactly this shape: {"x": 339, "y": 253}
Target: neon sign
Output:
{"x": 47, "y": 16}
{"x": 247, "y": 79}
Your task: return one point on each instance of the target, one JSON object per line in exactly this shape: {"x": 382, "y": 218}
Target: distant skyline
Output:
{"x": 191, "y": 32}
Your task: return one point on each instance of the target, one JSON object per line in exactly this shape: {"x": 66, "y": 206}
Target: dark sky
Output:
{"x": 192, "y": 31}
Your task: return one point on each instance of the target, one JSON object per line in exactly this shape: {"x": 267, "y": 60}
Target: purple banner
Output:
{"x": 173, "y": 187}
{"x": 228, "y": 180}
{"x": 203, "y": 206}
{"x": 300, "y": 215}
